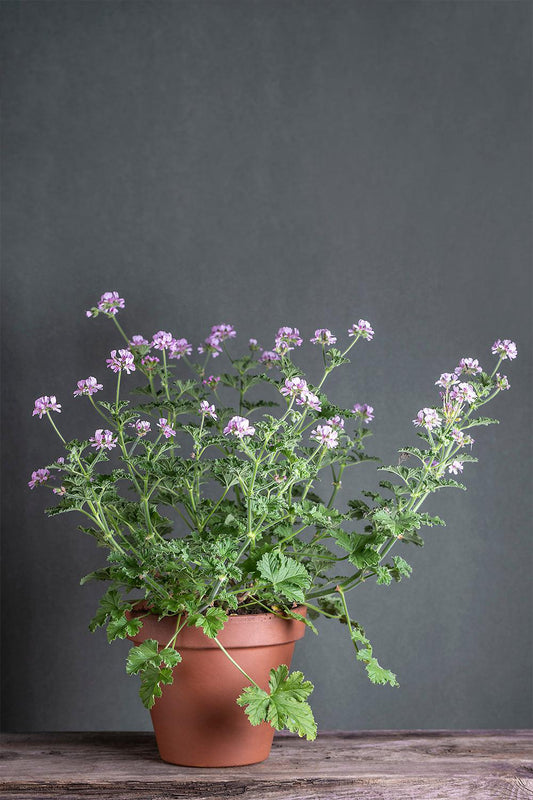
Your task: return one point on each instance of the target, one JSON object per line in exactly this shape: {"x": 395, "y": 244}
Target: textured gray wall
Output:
{"x": 264, "y": 163}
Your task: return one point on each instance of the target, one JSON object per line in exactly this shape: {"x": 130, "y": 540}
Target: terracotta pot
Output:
{"x": 197, "y": 722}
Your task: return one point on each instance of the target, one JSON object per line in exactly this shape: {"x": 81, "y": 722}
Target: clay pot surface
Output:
{"x": 197, "y": 722}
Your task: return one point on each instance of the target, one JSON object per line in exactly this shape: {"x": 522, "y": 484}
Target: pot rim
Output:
{"x": 238, "y": 632}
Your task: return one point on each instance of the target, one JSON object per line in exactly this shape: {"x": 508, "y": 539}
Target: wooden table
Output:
{"x": 369, "y": 765}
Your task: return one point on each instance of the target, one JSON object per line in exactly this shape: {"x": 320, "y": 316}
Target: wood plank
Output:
{"x": 384, "y": 765}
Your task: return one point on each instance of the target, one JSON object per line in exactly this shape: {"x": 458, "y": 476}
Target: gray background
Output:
{"x": 268, "y": 163}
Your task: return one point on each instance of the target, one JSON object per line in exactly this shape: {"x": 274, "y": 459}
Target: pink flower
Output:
{"x": 504, "y": 349}
{"x": 179, "y": 348}
{"x": 252, "y": 344}
{"x": 239, "y": 427}
{"x": 287, "y": 339}
{"x": 429, "y": 418}
{"x": 455, "y": 467}
{"x": 365, "y": 411}
{"x": 88, "y": 386}
{"x": 61, "y": 491}
{"x": 212, "y": 381}
{"x": 323, "y": 336}
{"x": 39, "y": 476}
{"x": 138, "y": 341}
{"x": 207, "y": 410}
{"x": 223, "y": 331}
{"x": 110, "y": 303}
{"x": 363, "y": 329}
{"x": 326, "y": 435}
{"x": 293, "y": 387}
{"x": 141, "y": 426}
{"x": 464, "y": 393}
{"x": 336, "y": 422}
{"x": 150, "y": 362}
{"x": 461, "y": 439}
{"x": 60, "y": 460}
{"x": 269, "y": 358}
{"x": 502, "y": 383}
{"x": 45, "y": 404}
{"x": 468, "y": 366}
{"x": 124, "y": 361}
{"x": 307, "y": 398}
{"x": 446, "y": 380}
{"x": 162, "y": 340}
{"x": 211, "y": 345}
{"x": 103, "y": 440}
{"x": 166, "y": 430}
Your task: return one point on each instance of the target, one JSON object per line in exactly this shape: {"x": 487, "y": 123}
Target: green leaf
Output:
{"x": 384, "y": 577}
{"x": 211, "y": 622}
{"x": 286, "y": 575}
{"x": 151, "y": 679}
{"x": 378, "y": 674}
{"x": 121, "y": 627}
{"x": 141, "y": 655}
{"x": 284, "y": 706}
{"x": 110, "y": 606}
{"x": 169, "y": 656}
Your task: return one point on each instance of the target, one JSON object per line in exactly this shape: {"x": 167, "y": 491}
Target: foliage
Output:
{"x": 247, "y": 484}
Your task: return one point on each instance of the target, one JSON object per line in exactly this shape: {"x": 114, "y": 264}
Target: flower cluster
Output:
{"x": 166, "y": 429}
{"x": 326, "y": 435}
{"x": 123, "y": 361}
{"x": 287, "y": 339}
{"x": 103, "y": 440}
{"x": 428, "y": 418}
{"x": 39, "y": 476}
{"x": 298, "y": 388}
{"x": 88, "y": 386}
{"x": 504, "y": 349}
{"x": 45, "y": 404}
{"x": 364, "y": 411}
{"x": 141, "y": 426}
{"x": 362, "y": 329}
{"x": 323, "y": 336}
{"x": 109, "y": 304}
{"x": 239, "y": 427}
{"x": 207, "y": 410}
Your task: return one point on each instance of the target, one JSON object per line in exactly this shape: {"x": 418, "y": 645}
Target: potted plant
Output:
{"x": 220, "y": 549}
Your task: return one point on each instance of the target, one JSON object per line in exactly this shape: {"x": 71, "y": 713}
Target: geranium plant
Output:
{"x": 210, "y": 508}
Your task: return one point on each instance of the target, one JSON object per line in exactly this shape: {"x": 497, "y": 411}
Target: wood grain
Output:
{"x": 368, "y": 765}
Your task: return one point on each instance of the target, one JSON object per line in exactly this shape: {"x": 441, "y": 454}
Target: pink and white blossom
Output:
{"x": 502, "y": 382}
{"x": 150, "y": 362}
{"x": 179, "y": 348}
{"x": 239, "y": 427}
{"x": 223, "y": 331}
{"x": 39, "y": 476}
{"x": 336, "y": 422}
{"x": 166, "y": 429}
{"x": 455, "y": 467}
{"x": 138, "y": 341}
{"x": 504, "y": 349}
{"x": 141, "y": 426}
{"x": 363, "y": 329}
{"x": 109, "y": 304}
{"x": 293, "y": 387}
{"x": 60, "y": 490}
{"x": 211, "y": 345}
{"x": 103, "y": 440}
{"x": 468, "y": 366}
{"x": 207, "y": 410}
{"x": 253, "y": 345}
{"x": 269, "y": 358}
{"x": 428, "y": 418}
{"x": 88, "y": 386}
{"x": 123, "y": 361}
{"x": 326, "y": 435}
{"x": 287, "y": 339}
{"x": 45, "y": 404}
{"x": 323, "y": 336}
{"x": 363, "y": 410}
{"x": 212, "y": 381}
{"x": 162, "y": 340}
{"x": 307, "y": 398}
{"x": 462, "y": 439}
{"x": 463, "y": 393}
{"x": 446, "y": 380}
